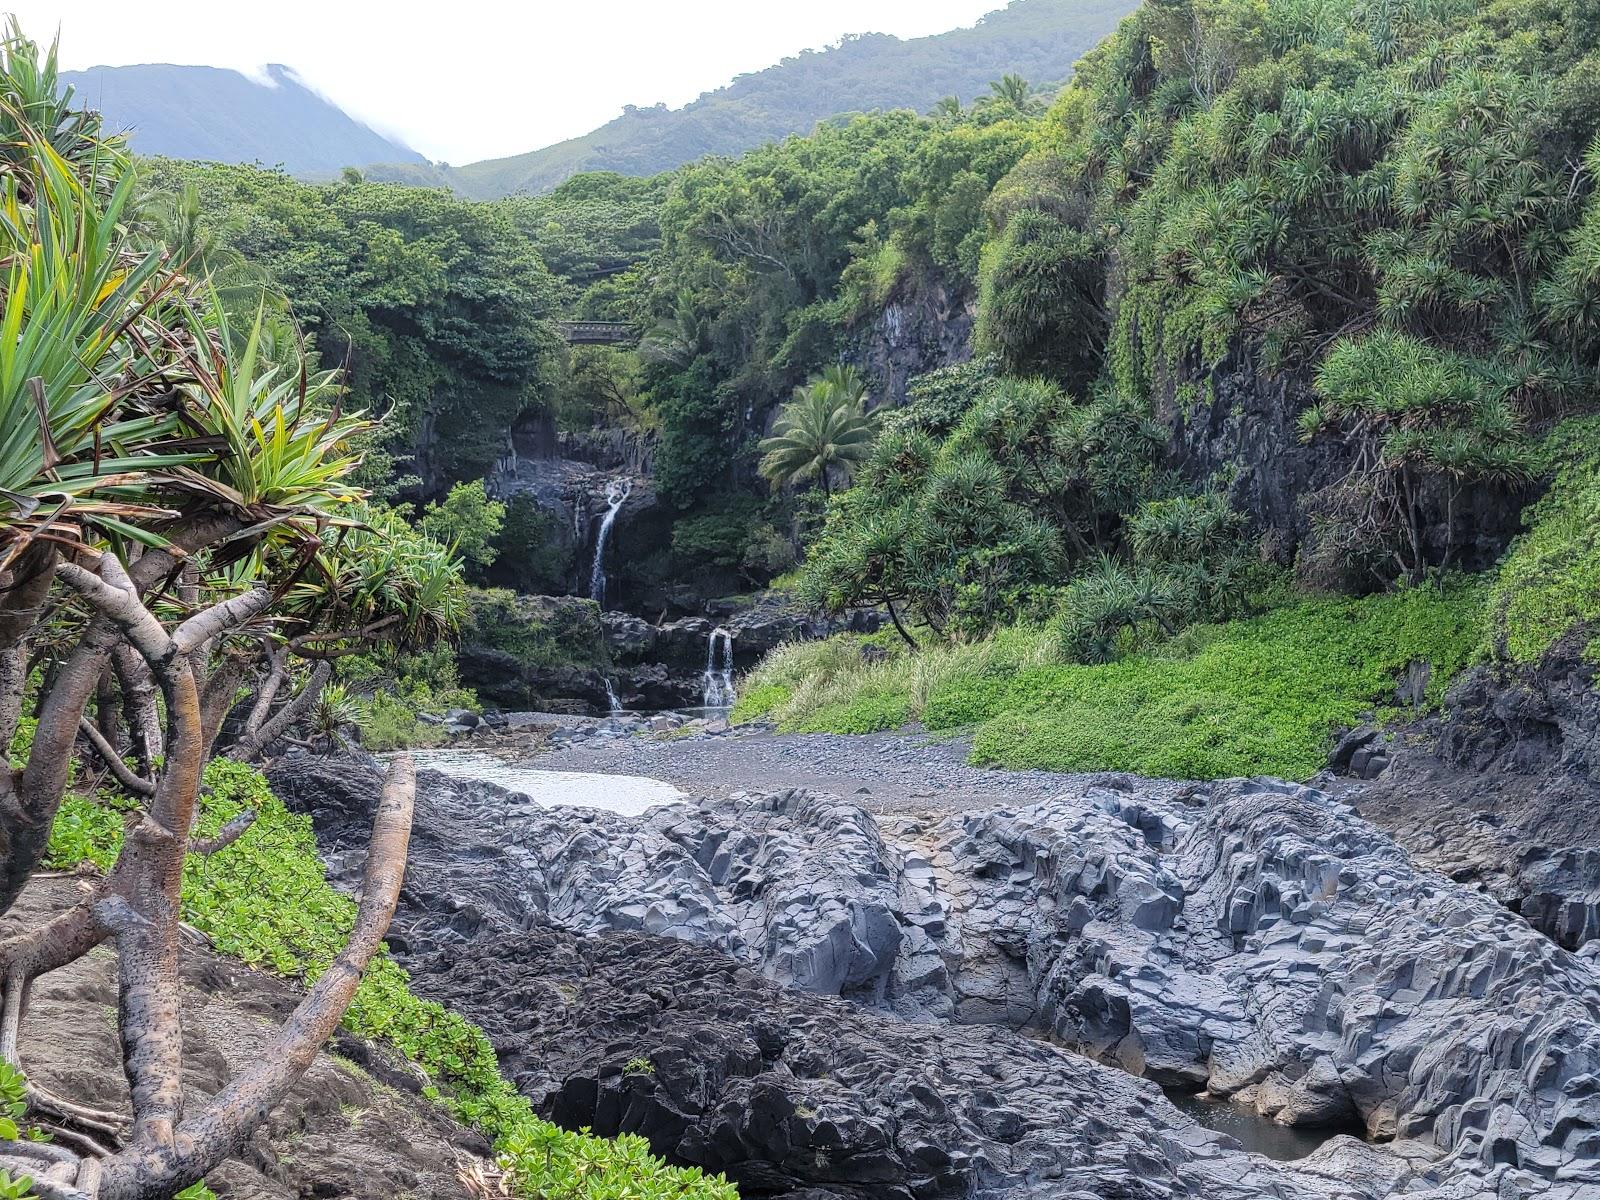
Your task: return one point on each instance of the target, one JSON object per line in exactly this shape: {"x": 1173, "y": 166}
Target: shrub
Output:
{"x": 1549, "y": 582}
{"x": 388, "y": 722}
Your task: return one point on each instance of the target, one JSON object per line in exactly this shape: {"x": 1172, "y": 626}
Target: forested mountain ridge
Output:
{"x": 1037, "y": 39}
{"x": 212, "y": 114}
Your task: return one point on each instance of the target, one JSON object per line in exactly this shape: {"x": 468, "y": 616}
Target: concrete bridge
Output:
{"x": 597, "y": 333}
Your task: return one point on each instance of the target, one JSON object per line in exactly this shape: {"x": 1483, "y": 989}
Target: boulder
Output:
{"x": 521, "y": 651}
{"x": 627, "y": 636}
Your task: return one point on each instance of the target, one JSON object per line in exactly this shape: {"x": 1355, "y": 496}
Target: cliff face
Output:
{"x": 921, "y": 329}
{"x": 1236, "y": 426}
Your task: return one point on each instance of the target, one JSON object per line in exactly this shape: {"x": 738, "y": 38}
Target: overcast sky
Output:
{"x": 461, "y": 80}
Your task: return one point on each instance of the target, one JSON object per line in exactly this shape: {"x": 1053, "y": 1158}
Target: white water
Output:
{"x": 616, "y": 492}
{"x": 611, "y": 696}
{"x": 628, "y": 795}
{"x": 719, "y": 691}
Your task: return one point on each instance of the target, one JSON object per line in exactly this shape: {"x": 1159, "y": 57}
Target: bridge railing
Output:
{"x": 597, "y": 332}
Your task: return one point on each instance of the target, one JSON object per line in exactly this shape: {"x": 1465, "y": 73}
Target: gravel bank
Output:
{"x": 886, "y": 773}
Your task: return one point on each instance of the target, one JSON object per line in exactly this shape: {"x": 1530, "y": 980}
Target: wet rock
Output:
{"x": 919, "y": 331}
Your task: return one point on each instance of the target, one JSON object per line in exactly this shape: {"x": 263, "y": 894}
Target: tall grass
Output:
{"x": 854, "y": 684}
{"x": 1256, "y": 696}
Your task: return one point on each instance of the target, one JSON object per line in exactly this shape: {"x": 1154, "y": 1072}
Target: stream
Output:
{"x": 628, "y": 795}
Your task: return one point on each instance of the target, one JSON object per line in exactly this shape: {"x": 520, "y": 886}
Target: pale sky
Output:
{"x": 461, "y": 80}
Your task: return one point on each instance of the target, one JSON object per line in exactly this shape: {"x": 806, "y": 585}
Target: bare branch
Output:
{"x": 226, "y": 836}
{"x": 108, "y": 754}
{"x": 277, "y": 673}
{"x": 219, "y": 619}
{"x": 233, "y": 1113}
{"x": 114, "y": 595}
{"x": 139, "y": 704}
{"x": 255, "y": 742}
{"x": 216, "y": 699}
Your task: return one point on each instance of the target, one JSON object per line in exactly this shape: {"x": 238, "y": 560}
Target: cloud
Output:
{"x": 481, "y": 78}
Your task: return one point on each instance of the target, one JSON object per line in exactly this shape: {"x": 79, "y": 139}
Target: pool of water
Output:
{"x": 629, "y": 795}
{"x": 1258, "y": 1134}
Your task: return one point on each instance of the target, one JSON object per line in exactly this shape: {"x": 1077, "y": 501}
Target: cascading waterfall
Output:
{"x": 719, "y": 670}
{"x": 611, "y": 697}
{"x": 616, "y": 492}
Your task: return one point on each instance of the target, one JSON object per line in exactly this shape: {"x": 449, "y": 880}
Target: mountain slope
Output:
{"x": 211, "y": 113}
{"x": 1038, "y": 39}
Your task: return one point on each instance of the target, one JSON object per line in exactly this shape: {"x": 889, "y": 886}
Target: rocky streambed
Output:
{"x": 824, "y": 1001}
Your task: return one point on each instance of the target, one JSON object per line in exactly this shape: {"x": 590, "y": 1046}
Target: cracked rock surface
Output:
{"x": 1256, "y": 939}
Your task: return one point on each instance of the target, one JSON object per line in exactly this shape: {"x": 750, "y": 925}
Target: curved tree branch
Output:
{"x": 255, "y": 742}
{"x": 223, "y": 1127}
{"x": 108, "y": 755}
{"x": 226, "y": 836}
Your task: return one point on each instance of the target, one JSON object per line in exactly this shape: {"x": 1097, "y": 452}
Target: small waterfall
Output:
{"x": 616, "y": 492}
{"x": 611, "y": 697}
{"x": 719, "y": 670}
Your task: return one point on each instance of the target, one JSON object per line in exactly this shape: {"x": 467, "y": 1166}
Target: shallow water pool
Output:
{"x": 628, "y": 795}
{"x": 1258, "y": 1134}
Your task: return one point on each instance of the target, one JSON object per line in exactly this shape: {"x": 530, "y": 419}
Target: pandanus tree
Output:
{"x": 175, "y": 518}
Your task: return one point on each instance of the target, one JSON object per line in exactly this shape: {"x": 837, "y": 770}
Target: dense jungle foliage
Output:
{"x": 1380, "y": 214}
{"x": 185, "y": 555}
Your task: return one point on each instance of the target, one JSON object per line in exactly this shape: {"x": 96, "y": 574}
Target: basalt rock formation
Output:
{"x": 1514, "y": 763}
{"x": 1256, "y": 939}
{"x": 802, "y": 1095}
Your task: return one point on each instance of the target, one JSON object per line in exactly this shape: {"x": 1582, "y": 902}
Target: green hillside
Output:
{"x": 1037, "y": 39}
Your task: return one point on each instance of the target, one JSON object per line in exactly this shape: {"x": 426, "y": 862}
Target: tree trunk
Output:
{"x": 899, "y": 628}
{"x": 256, "y": 741}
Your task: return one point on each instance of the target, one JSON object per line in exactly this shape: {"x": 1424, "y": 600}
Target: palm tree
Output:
{"x": 1015, "y": 92}
{"x": 824, "y": 431}
{"x": 676, "y": 338}
{"x": 176, "y": 221}
{"x": 846, "y": 381}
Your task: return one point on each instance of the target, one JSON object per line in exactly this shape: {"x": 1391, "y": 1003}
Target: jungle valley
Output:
{"x": 1035, "y": 646}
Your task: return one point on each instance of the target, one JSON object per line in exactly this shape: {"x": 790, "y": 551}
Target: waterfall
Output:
{"x": 719, "y": 678}
{"x": 611, "y": 696}
{"x": 616, "y": 492}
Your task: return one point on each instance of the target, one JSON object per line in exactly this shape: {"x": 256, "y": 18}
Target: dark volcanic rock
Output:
{"x": 1239, "y": 421}
{"x": 1504, "y": 790}
{"x": 926, "y": 326}
{"x": 1258, "y": 939}
{"x": 794, "y": 1094}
